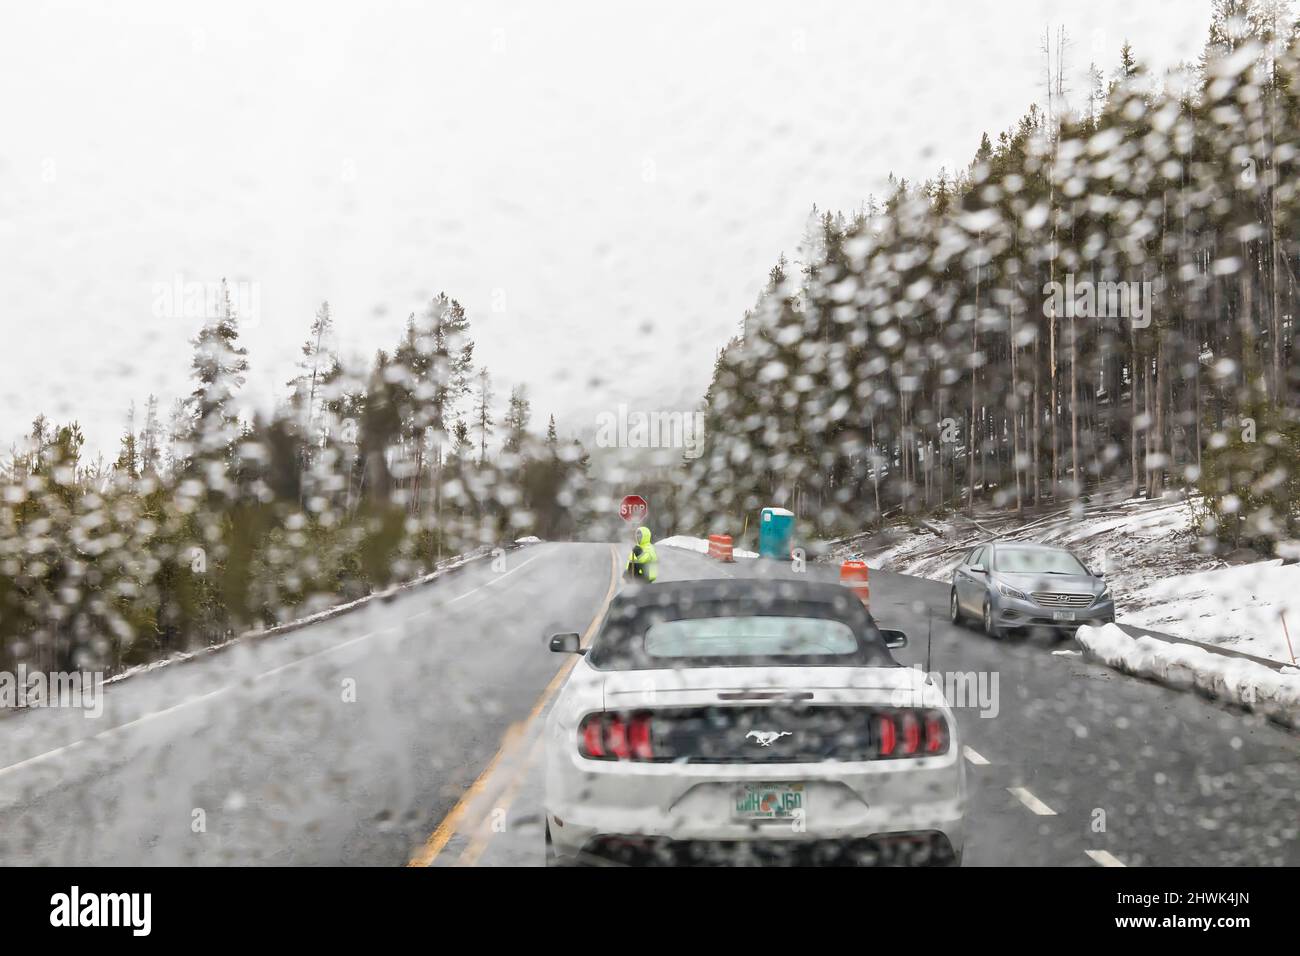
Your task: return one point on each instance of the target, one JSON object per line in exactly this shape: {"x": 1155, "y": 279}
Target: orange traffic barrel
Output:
{"x": 853, "y": 575}
{"x": 720, "y": 547}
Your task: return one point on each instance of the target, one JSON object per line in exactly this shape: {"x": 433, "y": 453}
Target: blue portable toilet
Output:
{"x": 775, "y": 532}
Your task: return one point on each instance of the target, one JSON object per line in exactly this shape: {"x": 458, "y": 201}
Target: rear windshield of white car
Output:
{"x": 694, "y": 632}
{"x": 1034, "y": 561}
{"x": 749, "y": 637}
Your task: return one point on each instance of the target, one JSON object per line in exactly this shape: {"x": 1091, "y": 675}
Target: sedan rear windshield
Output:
{"x": 1036, "y": 561}
{"x": 729, "y": 635}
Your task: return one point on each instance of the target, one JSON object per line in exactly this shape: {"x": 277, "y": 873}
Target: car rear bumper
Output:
{"x": 676, "y": 810}
{"x": 916, "y": 848}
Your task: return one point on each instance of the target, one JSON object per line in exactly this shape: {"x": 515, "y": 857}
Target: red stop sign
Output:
{"x": 633, "y": 508}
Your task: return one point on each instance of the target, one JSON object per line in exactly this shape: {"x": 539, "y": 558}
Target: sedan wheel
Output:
{"x": 989, "y": 629}
{"x": 954, "y": 609}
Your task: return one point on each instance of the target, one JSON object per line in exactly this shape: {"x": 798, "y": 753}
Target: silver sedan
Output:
{"x": 1010, "y": 586}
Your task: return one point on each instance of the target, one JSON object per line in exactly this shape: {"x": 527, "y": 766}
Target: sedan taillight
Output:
{"x": 615, "y": 737}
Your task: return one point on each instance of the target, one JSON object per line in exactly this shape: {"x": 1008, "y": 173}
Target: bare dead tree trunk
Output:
{"x": 1054, "y": 409}
{"x": 1132, "y": 408}
{"x": 1074, "y": 409}
{"x": 943, "y": 409}
{"x": 974, "y": 375}
{"x": 1037, "y": 424}
{"x": 1158, "y": 444}
{"x": 1014, "y": 405}
{"x": 902, "y": 451}
{"x": 875, "y": 469}
{"x": 1246, "y": 318}
{"x": 1276, "y": 317}
{"x": 1146, "y": 425}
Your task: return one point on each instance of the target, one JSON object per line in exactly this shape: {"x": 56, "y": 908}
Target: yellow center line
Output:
{"x": 447, "y": 827}
{"x": 450, "y": 824}
{"x": 483, "y": 835}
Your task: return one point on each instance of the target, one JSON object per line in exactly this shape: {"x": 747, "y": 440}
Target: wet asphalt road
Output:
{"x": 359, "y": 741}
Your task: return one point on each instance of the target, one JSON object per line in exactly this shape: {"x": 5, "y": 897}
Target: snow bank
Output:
{"x": 699, "y": 545}
{"x": 1255, "y": 687}
{"x": 1240, "y": 607}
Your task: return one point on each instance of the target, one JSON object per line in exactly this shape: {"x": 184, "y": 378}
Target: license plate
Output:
{"x": 768, "y": 801}
{"x": 1062, "y": 615}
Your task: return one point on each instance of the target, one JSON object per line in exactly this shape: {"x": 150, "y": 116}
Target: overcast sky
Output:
{"x": 603, "y": 185}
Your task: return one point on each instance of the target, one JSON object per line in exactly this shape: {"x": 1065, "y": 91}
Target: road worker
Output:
{"x": 643, "y": 564}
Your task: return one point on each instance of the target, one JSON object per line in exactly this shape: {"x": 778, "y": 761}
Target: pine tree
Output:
{"x": 516, "y": 421}
{"x": 380, "y": 429}
{"x": 461, "y": 445}
{"x": 127, "y": 462}
{"x": 453, "y": 351}
{"x": 219, "y": 365}
{"x": 151, "y": 439}
{"x": 316, "y": 363}
{"x": 483, "y": 420}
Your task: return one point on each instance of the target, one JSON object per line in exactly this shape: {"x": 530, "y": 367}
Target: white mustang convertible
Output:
{"x": 748, "y": 722}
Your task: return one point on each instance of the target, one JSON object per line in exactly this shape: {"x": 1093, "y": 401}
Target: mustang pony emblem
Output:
{"x": 766, "y": 738}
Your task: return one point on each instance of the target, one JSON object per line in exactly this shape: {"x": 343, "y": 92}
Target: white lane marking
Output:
{"x": 500, "y": 577}
{"x": 144, "y": 719}
{"x": 427, "y": 611}
{"x": 1031, "y": 801}
{"x": 1103, "y": 857}
{"x": 68, "y": 748}
{"x": 971, "y": 754}
{"x": 306, "y": 657}
{"x": 154, "y": 715}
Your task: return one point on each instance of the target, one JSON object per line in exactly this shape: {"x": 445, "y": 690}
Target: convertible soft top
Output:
{"x": 619, "y": 645}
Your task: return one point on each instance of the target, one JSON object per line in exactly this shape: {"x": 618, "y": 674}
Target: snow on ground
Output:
{"x": 1250, "y": 608}
{"x": 698, "y": 545}
{"x": 1253, "y": 686}
{"x": 1134, "y": 541}
{"x": 1147, "y": 550}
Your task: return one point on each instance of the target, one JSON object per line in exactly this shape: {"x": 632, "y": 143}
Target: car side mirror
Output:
{"x": 977, "y": 568}
{"x": 566, "y": 644}
{"x": 1098, "y": 574}
{"x": 894, "y": 639}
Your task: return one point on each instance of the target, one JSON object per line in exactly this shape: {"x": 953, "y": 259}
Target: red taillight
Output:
{"x": 888, "y": 736}
{"x": 639, "y": 737}
{"x": 614, "y": 737}
{"x": 936, "y": 734}
{"x": 911, "y": 733}
{"x": 593, "y": 743}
